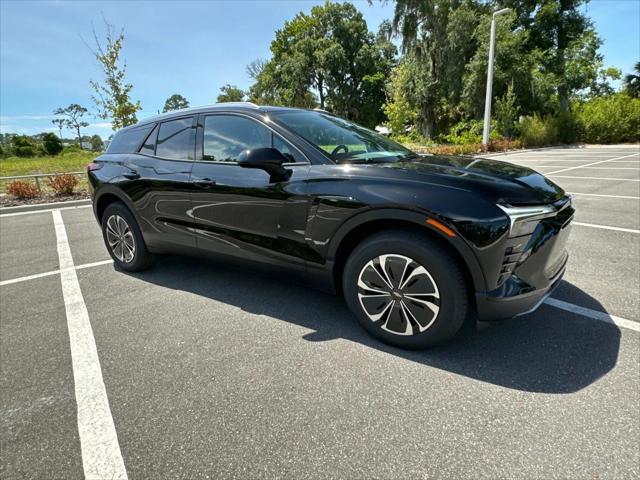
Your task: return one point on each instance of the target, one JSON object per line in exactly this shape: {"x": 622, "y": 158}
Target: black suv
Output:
{"x": 414, "y": 243}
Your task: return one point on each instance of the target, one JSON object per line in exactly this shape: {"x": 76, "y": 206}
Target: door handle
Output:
{"x": 204, "y": 183}
{"x": 132, "y": 175}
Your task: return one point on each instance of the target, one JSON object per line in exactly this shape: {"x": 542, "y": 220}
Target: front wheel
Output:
{"x": 123, "y": 239}
{"x": 405, "y": 289}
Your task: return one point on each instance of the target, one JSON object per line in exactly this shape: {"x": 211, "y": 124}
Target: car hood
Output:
{"x": 502, "y": 180}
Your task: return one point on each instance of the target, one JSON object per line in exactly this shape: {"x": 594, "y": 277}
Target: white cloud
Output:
{"x": 12, "y": 118}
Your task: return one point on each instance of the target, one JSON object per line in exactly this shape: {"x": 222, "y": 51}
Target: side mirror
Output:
{"x": 268, "y": 159}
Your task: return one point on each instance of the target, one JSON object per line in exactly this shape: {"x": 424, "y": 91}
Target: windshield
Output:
{"x": 343, "y": 141}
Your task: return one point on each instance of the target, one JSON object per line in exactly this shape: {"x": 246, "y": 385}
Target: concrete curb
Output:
{"x": 44, "y": 206}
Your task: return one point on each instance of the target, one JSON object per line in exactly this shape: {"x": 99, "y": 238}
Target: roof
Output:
{"x": 231, "y": 106}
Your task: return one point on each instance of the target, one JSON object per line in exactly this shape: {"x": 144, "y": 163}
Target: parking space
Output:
{"x": 215, "y": 372}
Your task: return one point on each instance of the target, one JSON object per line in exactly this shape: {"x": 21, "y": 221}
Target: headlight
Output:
{"x": 524, "y": 220}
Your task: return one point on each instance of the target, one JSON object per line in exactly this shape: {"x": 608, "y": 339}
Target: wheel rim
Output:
{"x": 398, "y": 294}
{"x": 120, "y": 238}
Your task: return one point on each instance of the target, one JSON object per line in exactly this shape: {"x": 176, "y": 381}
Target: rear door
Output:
{"x": 237, "y": 211}
{"x": 161, "y": 192}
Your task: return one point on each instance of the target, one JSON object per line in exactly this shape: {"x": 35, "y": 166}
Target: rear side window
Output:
{"x": 176, "y": 140}
{"x": 129, "y": 141}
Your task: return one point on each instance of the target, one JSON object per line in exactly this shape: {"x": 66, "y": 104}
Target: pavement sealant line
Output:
{"x": 101, "y": 456}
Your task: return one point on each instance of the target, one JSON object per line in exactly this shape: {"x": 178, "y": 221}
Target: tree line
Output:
{"x": 550, "y": 82}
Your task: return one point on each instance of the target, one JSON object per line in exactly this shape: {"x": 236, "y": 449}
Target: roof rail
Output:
{"x": 240, "y": 104}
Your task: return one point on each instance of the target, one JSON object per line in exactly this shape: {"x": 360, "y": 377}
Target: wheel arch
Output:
{"x": 108, "y": 196}
{"x": 356, "y": 229}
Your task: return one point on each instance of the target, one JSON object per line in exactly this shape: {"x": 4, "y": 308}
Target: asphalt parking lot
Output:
{"x": 212, "y": 372}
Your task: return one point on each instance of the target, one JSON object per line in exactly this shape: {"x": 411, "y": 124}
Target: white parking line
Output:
{"x": 594, "y": 178}
{"x": 101, "y": 456}
{"x": 52, "y": 272}
{"x": 605, "y": 227}
{"x": 568, "y": 160}
{"x": 594, "y": 314}
{"x": 604, "y": 196}
{"x": 593, "y": 163}
{"x": 28, "y": 277}
{"x": 596, "y": 168}
{"x": 46, "y": 210}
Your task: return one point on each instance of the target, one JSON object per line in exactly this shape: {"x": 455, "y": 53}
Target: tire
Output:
{"x": 423, "y": 299}
{"x": 123, "y": 239}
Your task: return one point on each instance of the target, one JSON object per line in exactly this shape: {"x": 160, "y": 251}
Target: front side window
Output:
{"x": 226, "y": 136}
{"x": 176, "y": 140}
{"x": 342, "y": 141}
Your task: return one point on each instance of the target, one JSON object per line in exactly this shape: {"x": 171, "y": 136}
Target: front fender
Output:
{"x": 419, "y": 220}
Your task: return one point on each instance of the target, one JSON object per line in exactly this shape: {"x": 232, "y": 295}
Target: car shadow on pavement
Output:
{"x": 549, "y": 351}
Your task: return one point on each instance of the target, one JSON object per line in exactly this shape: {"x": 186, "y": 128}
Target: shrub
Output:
{"x": 51, "y": 143}
{"x": 72, "y": 149}
{"x": 469, "y": 132}
{"x": 63, "y": 184}
{"x": 22, "y": 189}
{"x": 23, "y": 146}
{"x": 537, "y": 130}
{"x": 610, "y": 119}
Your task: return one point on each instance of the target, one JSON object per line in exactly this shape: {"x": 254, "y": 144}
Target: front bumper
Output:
{"x": 496, "y": 307}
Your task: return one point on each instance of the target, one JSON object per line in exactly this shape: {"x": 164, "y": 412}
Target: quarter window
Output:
{"x": 129, "y": 139}
{"x": 176, "y": 140}
{"x": 226, "y": 136}
{"x": 149, "y": 146}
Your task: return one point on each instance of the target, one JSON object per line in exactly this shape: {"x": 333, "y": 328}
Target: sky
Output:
{"x": 186, "y": 47}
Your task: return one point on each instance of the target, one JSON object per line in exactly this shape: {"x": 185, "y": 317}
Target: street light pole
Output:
{"x": 487, "y": 101}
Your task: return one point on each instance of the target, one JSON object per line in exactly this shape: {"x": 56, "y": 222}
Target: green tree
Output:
{"x": 330, "y": 59}
{"x": 175, "y": 102}
{"x": 632, "y": 82}
{"x": 97, "y": 145}
{"x": 565, "y": 42}
{"x": 400, "y": 112}
{"x": 602, "y": 84}
{"x": 438, "y": 41}
{"x": 73, "y": 118}
{"x": 112, "y": 98}
{"x": 230, "y": 93}
{"x": 51, "y": 143}
{"x": 59, "y": 124}
{"x": 506, "y": 112}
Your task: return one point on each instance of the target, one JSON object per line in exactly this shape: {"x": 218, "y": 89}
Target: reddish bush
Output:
{"x": 63, "y": 184}
{"x": 502, "y": 144}
{"x": 456, "y": 149}
{"x": 21, "y": 189}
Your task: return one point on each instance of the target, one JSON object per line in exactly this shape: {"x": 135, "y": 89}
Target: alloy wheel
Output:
{"x": 398, "y": 294}
{"x": 120, "y": 238}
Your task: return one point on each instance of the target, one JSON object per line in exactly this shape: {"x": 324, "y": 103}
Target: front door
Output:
{"x": 237, "y": 211}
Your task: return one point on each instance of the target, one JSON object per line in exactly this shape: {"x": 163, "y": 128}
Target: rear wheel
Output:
{"x": 405, "y": 289}
{"x": 123, "y": 239}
